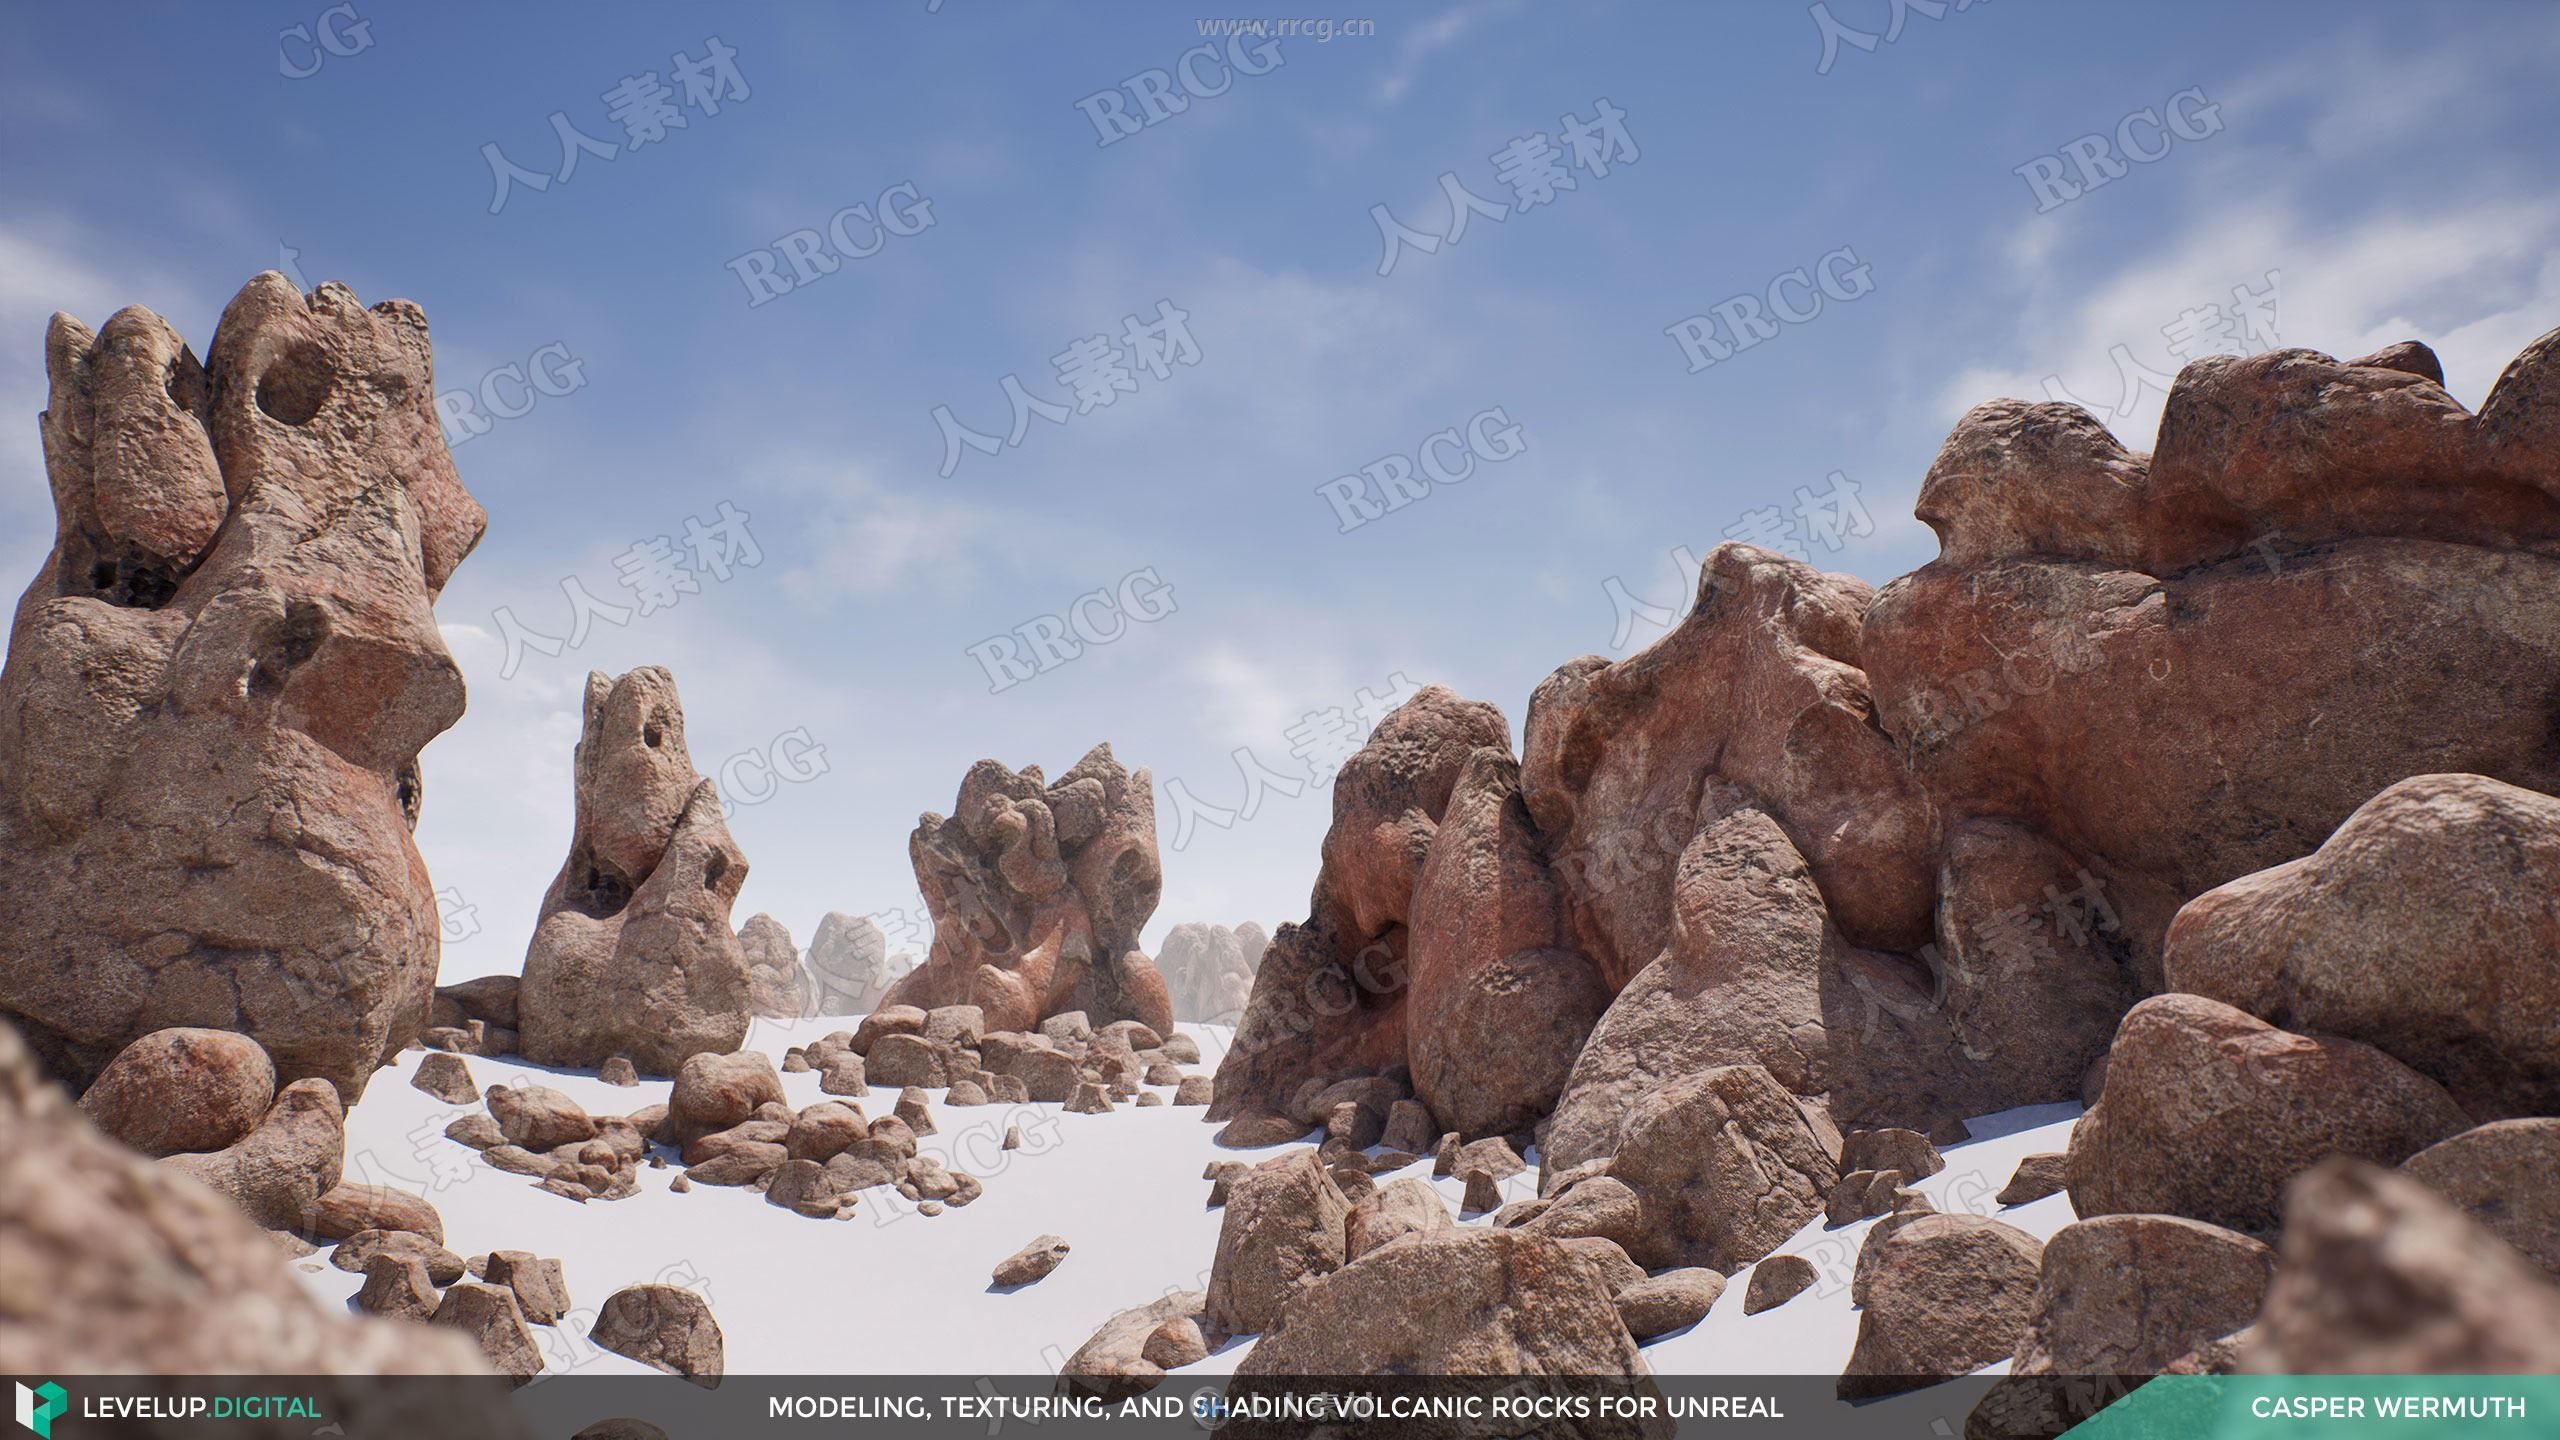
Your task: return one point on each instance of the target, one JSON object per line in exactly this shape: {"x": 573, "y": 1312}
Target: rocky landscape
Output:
{"x": 2192, "y": 813}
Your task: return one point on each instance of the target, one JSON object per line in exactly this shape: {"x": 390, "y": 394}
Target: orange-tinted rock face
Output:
{"x": 218, "y": 686}
{"x": 1038, "y": 893}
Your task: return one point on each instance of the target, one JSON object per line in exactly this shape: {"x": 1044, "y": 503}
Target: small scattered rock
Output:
{"x": 397, "y": 1286}
{"x": 1255, "y": 1129}
{"x": 913, "y": 1109}
{"x": 1032, "y": 1262}
{"x": 665, "y": 1327}
{"x": 347, "y": 1209}
{"x": 1777, "y": 1280}
{"x": 1090, "y": 1099}
{"x": 2036, "y": 1177}
{"x": 1483, "y": 1193}
{"x": 541, "y": 1291}
{"x": 1175, "y": 1343}
{"x": 489, "y": 1315}
{"x": 618, "y": 1070}
{"x": 1672, "y": 1300}
{"x": 444, "y": 1075}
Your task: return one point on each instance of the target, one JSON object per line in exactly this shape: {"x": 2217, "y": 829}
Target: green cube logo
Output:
{"x": 37, "y": 1407}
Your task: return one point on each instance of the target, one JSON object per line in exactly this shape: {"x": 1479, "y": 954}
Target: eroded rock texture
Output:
{"x": 1915, "y": 851}
{"x": 1038, "y": 892}
{"x": 218, "y": 686}
{"x": 777, "y": 986}
{"x": 633, "y": 955}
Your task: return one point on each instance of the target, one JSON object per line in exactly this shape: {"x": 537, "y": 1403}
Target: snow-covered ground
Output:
{"x": 1124, "y": 1189}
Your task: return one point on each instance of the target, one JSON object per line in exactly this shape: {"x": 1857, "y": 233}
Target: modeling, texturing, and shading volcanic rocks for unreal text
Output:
{"x": 1490, "y": 720}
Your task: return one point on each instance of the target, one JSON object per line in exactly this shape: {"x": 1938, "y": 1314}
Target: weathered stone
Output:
{"x": 664, "y": 1327}
{"x": 180, "y": 1090}
{"x": 777, "y": 987}
{"x": 849, "y": 967}
{"x": 1038, "y": 892}
{"x": 633, "y": 954}
{"x": 806, "y": 1187}
{"x": 397, "y": 1286}
{"x": 1208, "y": 971}
{"x": 1175, "y": 1343}
{"x": 1460, "y": 1302}
{"x": 489, "y": 1315}
{"x": 2506, "y": 1176}
{"x": 714, "y": 1092}
{"x": 346, "y": 1209}
{"x": 2379, "y": 1276}
{"x": 1672, "y": 1300}
{"x": 1089, "y": 1099}
{"x": 1114, "y": 1363}
{"x": 279, "y": 1170}
{"x": 2036, "y": 1177}
{"x": 2209, "y": 1111}
{"x": 1391, "y": 1212}
{"x": 203, "y": 674}
{"x": 357, "y": 1252}
{"x": 2131, "y": 1294}
{"x": 2427, "y": 926}
{"x": 618, "y": 1071}
{"x": 1947, "y": 1295}
{"x": 446, "y": 1077}
{"x": 1032, "y": 1262}
{"x": 1726, "y": 1167}
{"x": 1777, "y": 1280}
{"x": 541, "y": 1290}
{"x": 1284, "y": 1224}
{"x": 538, "y": 1117}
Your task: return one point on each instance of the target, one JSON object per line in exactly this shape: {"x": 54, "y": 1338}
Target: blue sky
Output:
{"x": 2391, "y": 165}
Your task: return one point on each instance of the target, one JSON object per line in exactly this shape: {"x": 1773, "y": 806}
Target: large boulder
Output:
{"x": 2379, "y": 1276}
{"x": 2132, "y": 1294}
{"x": 182, "y": 1089}
{"x": 118, "y": 1265}
{"x": 777, "y": 987}
{"x": 1285, "y": 1224}
{"x": 218, "y": 685}
{"x": 2427, "y": 926}
{"x": 1944, "y": 1296}
{"x": 633, "y": 955}
{"x": 2209, "y": 1111}
{"x": 1725, "y": 1166}
{"x": 1038, "y": 892}
{"x": 1459, "y": 1302}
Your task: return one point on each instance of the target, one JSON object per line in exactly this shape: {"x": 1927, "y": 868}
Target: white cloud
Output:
{"x": 1429, "y": 37}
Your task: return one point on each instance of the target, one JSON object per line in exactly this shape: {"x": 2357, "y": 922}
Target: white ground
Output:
{"x": 1124, "y": 1189}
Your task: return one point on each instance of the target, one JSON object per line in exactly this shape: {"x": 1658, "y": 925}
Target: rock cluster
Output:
{"x": 633, "y": 955}
{"x": 1038, "y": 892}
{"x": 218, "y": 685}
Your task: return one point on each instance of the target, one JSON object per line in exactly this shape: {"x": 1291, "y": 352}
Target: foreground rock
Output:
{"x": 1460, "y": 1302}
{"x": 182, "y": 1090}
{"x": 664, "y": 1327}
{"x": 1944, "y": 1296}
{"x": 489, "y": 1315}
{"x": 2427, "y": 927}
{"x": 2209, "y": 1111}
{"x": 1726, "y": 1166}
{"x": 2379, "y": 1276}
{"x": 1284, "y": 1226}
{"x": 226, "y": 667}
{"x": 1115, "y": 1362}
{"x": 633, "y": 955}
{"x": 1038, "y": 892}
{"x": 114, "y": 1258}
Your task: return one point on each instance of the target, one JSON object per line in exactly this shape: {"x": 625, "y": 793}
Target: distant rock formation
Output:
{"x": 849, "y": 965}
{"x": 1038, "y": 892}
{"x": 633, "y": 955}
{"x": 1208, "y": 969}
{"x": 218, "y": 686}
{"x": 777, "y": 988}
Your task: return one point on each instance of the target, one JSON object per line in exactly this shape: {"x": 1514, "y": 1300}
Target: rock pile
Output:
{"x": 633, "y": 955}
{"x": 1038, "y": 892}
{"x": 224, "y": 671}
